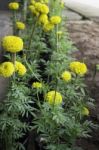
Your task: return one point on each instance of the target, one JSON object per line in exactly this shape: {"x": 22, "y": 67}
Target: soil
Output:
{"x": 85, "y": 36}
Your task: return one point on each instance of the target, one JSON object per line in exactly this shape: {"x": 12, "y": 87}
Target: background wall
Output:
{"x": 4, "y": 4}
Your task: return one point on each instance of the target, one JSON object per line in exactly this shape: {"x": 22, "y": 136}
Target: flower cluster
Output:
{"x": 20, "y": 25}
{"x": 55, "y": 20}
{"x": 13, "y": 6}
{"x": 66, "y": 76}
{"x": 53, "y": 97}
{"x": 41, "y": 10}
{"x": 12, "y": 44}
{"x": 20, "y": 68}
{"x": 7, "y": 69}
{"x": 37, "y": 85}
{"x": 38, "y": 8}
{"x": 78, "y": 68}
{"x": 49, "y": 26}
{"x": 43, "y": 19}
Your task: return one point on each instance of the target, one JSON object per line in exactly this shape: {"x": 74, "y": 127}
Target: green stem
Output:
{"x": 31, "y": 36}
{"x": 29, "y": 67}
{"x": 13, "y": 60}
{"x": 57, "y": 38}
{"x": 56, "y": 85}
{"x": 38, "y": 101}
{"x": 38, "y": 97}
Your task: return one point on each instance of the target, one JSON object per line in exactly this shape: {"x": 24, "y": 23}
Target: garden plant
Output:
{"x": 47, "y": 104}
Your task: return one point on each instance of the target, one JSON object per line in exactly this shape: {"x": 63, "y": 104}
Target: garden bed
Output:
{"x": 85, "y": 36}
{"x": 48, "y": 104}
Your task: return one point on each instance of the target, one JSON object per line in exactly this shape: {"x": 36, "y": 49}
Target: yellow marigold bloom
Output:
{"x": 42, "y": 8}
{"x": 12, "y": 44}
{"x": 37, "y": 85}
{"x": 20, "y": 25}
{"x": 43, "y": 19}
{"x": 49, "y": 26}
{"x": 85, "y": 111}
{"x": 66, "y": 76}
{"x": 78, "y": 68}
{"x": 7, "y": 69}
{"x": 20, "y": 68}
{"x": 33, "y": 10}
{"x": 53, "y": 97}
{"x": 32, "y": 2}
{"x": 38, "y": 6}
{"x": 13, "y": 5}
{"x": 55, "y": 19}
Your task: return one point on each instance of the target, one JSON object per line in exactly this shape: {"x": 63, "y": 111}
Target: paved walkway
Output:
{"x": 5, "y": 29}
{"x": 70, "y": 15}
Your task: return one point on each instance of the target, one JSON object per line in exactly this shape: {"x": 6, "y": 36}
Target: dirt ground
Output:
{"x": 85, "y": 36}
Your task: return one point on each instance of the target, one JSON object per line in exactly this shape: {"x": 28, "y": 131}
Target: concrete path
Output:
{"x": 5, "y": 29}
{"x": 70, "y": 15}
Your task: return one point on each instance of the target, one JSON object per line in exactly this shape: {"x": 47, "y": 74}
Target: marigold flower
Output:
{"x": 37, "y": 85}
{"x": 78, "y": 68}
{"x": 38, "y": 6}
{"x": 43, "y": 19}
{"x": 12, "y": 44}
{"x": 47, "y": 27}
{"x": 7, "y": 69}
{"x": 53, "y": 97}
{"x": 66, "y": 76}
{"x": 32, "y": 2}
{"x": 85, "y": 111}
{"x": 20, "y": 68}
{"x": 20, "y": 25}
{"x": 55, "y": 19}
{"x": 13, "y": 5}
{"x": 33, "y": 10}
{"x": 42, "y": 8}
